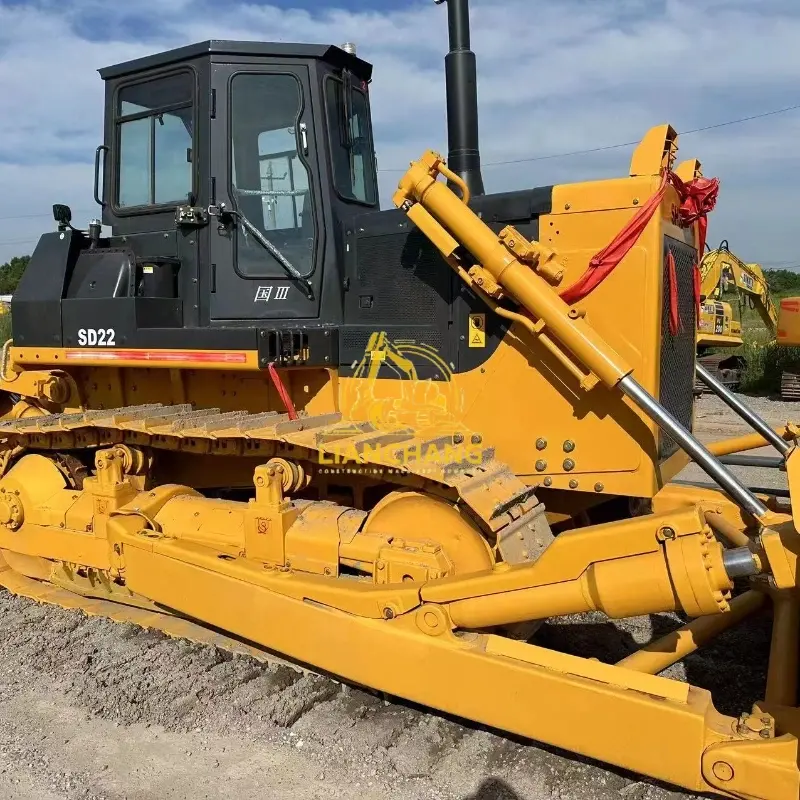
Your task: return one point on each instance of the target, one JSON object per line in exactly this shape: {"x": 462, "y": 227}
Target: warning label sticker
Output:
{"x": 477, "y": 330}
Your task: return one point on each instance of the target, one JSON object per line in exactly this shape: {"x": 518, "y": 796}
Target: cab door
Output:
{"x": 265, "y": 162}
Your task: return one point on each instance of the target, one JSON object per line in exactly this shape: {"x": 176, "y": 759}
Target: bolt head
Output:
{"x": 569, "y": 446}
{"x": 598, "y": 487}
{"x": 573, "y": 484}
{"x": 541, "y": 466}
{"x": 541, "y": 444}
{"x": 548, "y": 481}
{"x": 569, "y": 464}
{"x": 722, "y": 771}
{"x": 476, "y": 439}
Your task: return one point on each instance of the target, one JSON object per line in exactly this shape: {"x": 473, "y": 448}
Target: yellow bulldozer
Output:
{"x": 389, "y": 444}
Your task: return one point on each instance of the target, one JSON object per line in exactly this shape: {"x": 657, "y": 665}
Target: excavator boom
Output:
{"x": 721, "y": 272}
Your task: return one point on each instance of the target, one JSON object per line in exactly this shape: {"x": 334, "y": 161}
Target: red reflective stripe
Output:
{"x": 156, "y": 355}
{"x": 284, "y": 394}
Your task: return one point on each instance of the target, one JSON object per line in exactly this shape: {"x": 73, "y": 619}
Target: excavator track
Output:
{"x": 729, "y": 375}
{"x": 442, "y": 462}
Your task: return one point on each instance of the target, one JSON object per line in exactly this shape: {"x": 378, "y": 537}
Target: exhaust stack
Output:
{"x": 463, "y": 157}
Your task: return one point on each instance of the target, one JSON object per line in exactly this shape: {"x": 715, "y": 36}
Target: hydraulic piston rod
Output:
{"x": 515, "y": 263}
{"x": 747, "y": 414}
{"x": 710, "y": 465}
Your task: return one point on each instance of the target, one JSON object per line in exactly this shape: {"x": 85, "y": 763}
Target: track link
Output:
{"x": 448, "y": 460}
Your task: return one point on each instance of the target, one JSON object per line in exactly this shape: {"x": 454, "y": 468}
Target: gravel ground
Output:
{"x": 714, "y": 421}
{"x": 94, "y": 710}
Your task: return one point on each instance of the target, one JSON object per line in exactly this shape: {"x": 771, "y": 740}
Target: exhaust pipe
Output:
{"x": 461, "y": 80}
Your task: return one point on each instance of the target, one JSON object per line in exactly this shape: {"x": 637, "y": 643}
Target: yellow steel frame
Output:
{"x": 413, "y": 639}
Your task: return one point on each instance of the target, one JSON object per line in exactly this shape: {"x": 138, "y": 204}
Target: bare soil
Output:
{"x": 94, "y": 710}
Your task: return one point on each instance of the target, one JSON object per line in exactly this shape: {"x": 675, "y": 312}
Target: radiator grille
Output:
{"x": 355, "y": 339}
{"x": 678, "y": 352}
{"x": 406, "y": 278}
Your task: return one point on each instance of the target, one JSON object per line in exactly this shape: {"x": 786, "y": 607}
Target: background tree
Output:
{"x": 782, "y": 280}
{"x": 11, "y": 272}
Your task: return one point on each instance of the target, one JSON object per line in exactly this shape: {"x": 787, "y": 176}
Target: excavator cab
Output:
{"x": 228, "y": 173}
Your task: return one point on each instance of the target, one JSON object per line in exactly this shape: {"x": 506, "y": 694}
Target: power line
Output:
{"x": 19, "y": 241}
{"x": 40, "y": 216}
{"x": 525, "y": 160}
{"x": 627, "y": 144}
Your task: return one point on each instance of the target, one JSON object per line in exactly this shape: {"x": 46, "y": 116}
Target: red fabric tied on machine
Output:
{"x": 698, "y": 197}
{"x": 283, "y": 392}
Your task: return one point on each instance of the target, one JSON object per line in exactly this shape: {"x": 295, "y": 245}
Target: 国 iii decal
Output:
{"x": 266, "y": 293}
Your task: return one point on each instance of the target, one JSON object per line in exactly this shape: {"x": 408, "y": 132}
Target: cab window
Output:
{"x": 352, "y": 153}
{"x": 271, "y": 181}
{"x": 154, "y": 135}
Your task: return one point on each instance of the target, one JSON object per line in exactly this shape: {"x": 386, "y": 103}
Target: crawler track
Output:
{"x": 442, "y": 462}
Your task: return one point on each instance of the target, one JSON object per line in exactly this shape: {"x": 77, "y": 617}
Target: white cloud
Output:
{"x": 553, "y": 78}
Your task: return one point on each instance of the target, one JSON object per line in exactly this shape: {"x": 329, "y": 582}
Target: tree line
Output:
{"x": 782, "y": 280}
{"x": 11, "y": 272}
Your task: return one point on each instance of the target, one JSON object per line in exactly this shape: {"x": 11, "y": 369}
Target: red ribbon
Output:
{"x": 282, "y": 391}
{"x": 698, "y": 197}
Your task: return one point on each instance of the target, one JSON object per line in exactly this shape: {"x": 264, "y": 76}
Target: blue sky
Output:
{"x": 553, "y": 78}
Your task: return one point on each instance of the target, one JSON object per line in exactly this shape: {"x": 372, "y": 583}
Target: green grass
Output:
{"x": 5, "y": 328}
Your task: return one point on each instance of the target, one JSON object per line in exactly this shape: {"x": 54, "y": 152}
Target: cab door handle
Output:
{"x": 304, "y": 137}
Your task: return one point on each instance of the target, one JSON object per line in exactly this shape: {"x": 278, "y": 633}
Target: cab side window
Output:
{"x": 352, "y": 151}
{"x": 155, "y": 121}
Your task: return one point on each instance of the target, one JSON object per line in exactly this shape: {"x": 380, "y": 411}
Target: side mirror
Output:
{"x": 62, "y": 215}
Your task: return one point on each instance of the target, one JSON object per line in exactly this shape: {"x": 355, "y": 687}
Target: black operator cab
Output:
{"x": 228, "y": 176}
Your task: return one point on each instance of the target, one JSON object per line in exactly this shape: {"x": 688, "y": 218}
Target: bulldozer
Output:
{"x": 389, "y": 444}
{"x": 722, "y": 271}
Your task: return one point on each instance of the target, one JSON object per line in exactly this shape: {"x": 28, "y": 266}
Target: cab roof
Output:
{"x": 215, "y": 47}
